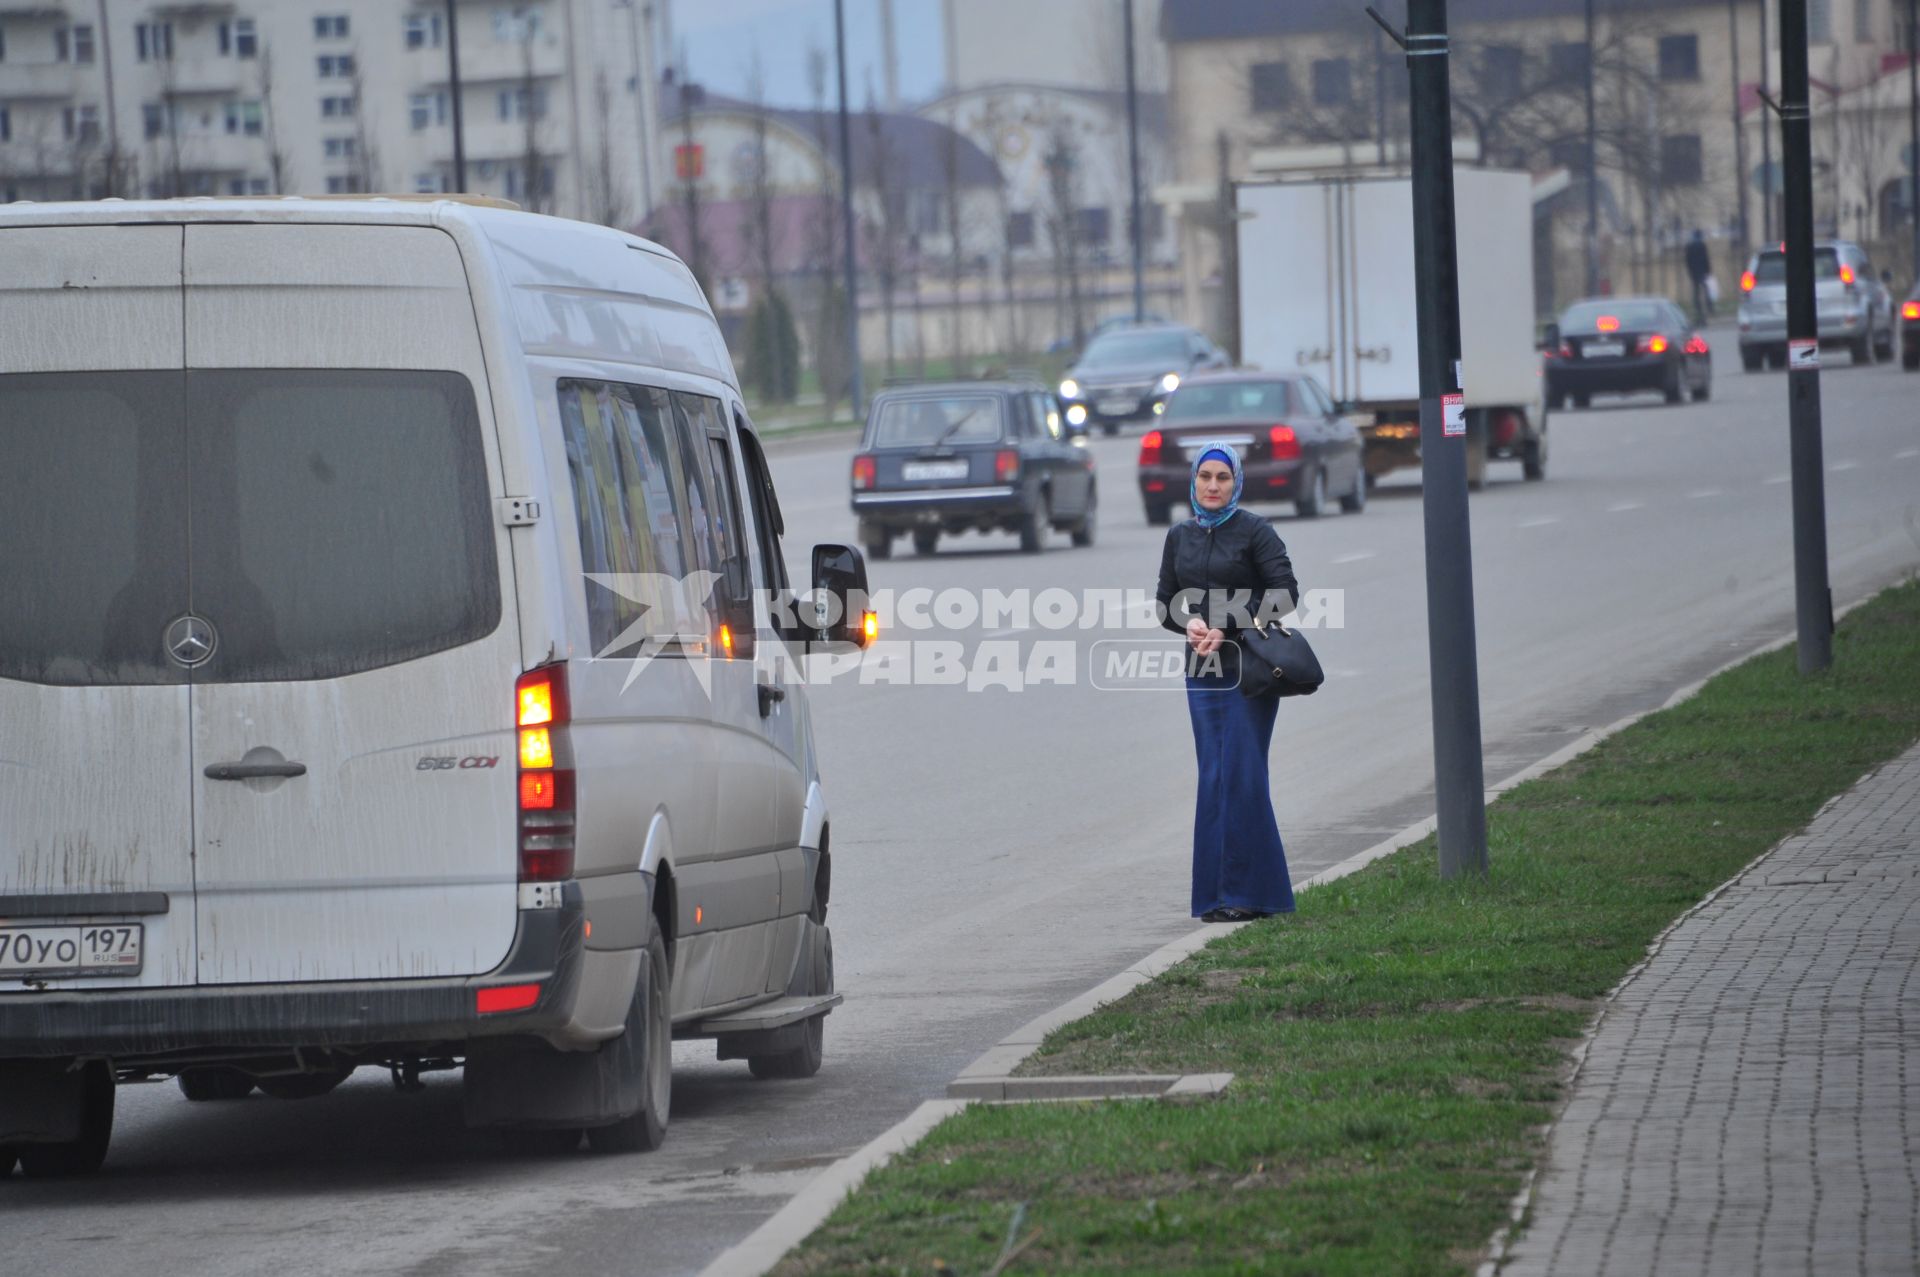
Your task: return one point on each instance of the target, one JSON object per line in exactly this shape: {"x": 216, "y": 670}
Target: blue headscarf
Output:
{"x": 1216, "y": 452}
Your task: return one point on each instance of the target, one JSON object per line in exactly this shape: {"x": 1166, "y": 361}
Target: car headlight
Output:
{"x": 1076, "y": 415}
{"x": 1069, "y": 389}
{"x": 1170, "y": 383}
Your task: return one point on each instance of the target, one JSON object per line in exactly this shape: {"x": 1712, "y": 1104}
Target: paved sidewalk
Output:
{"x": 1751, "y": 1101}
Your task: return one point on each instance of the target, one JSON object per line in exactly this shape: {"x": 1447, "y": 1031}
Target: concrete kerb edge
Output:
{"x": 764, "y": 1247}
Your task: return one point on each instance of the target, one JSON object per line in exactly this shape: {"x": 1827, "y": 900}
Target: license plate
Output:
{"x": 1604, "y": 349}
{"x": 72, "y": 948}
{"x": 1117, "y": 407}
{"x": 918, "y": 471}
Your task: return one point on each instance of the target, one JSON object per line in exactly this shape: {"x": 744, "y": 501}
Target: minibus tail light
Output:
{"x": 546, "y": 797}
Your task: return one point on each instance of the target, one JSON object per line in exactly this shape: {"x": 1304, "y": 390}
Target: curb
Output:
{"x": 766, "y": 1245}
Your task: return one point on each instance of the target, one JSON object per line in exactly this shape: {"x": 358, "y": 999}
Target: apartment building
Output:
{"x": 248, "y": 97}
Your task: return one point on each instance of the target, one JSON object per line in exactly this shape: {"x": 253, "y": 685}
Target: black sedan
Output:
{"x": 971, "y": 456}
{"x": 1125, "y": 374}
{"x": 1910, "y": 330}
{"x": 1624, "y": 345}
{"x": 1293, "y": 445}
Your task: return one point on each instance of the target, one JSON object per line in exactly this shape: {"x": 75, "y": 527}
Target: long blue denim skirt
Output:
{"x": 1238, "y": 859}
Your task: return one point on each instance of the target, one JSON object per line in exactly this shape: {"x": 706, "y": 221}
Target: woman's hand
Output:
{"x": 1204, "y": 640}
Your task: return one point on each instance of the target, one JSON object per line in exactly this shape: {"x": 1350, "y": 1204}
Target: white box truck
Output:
{"x": 1327, "y": 286}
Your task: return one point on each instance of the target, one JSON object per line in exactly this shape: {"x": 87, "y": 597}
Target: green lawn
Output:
{"x": 1400, "y": 1042}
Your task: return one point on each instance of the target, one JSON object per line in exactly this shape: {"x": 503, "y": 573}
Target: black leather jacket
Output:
{"x": 1232, "y": 567}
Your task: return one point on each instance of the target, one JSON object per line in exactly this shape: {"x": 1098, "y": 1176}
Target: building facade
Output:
{"x": 253, "y": 97}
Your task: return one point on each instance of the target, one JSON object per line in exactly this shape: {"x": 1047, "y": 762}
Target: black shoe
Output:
{"x": 1227, "y": 914}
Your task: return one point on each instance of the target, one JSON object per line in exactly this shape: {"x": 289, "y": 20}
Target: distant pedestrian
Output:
{"x": 1215, "y": 569}
{"x": 1699, "y": 269}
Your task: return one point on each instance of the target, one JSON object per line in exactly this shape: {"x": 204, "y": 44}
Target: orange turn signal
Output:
{"x": 536, "y": 748}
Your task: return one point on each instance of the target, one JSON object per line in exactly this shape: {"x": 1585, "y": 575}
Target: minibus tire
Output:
{"x": 652, "y": 1018}
{"x": 82, "y": 1156}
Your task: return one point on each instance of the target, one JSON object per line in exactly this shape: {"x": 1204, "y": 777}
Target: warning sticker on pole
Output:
{"x": 1802, "y": 353}
{"x": 1453, "y": 414}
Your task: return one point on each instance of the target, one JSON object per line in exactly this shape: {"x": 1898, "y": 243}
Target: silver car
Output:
{"x": 1854, "y": 308}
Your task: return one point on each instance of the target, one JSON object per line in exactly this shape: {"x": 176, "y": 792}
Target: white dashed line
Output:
{"x": 1778, "y": 479}
{"x": 1356, "y": 557}
{"x": 1540, "y": 523}
{"x": 1906, "y": 454}
{"x": 1703, "y": 493}
{"x": 1839, "y": 466}
{"x": 1625, "y": 506}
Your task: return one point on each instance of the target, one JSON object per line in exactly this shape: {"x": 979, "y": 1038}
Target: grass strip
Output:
{"x": 1400, "y": 1043}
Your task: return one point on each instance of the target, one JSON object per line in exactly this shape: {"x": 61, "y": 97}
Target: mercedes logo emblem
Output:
{"x": 191, "y": 641}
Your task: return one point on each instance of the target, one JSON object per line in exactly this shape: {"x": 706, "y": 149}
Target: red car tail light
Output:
{"x": 1284, "y": 444}
{"x": 1006, "y": 466}
{"x": 1910, "y": 310}
{"x": 1653, "y": 344}
{"x": 1747, "y": 281}
{"x": 1846, "y": 274}
{"x": 1150, "y": 445}
{"x": 546, "y": 790}
{"x": 1696, "y": 345}
{"x": 505, "y": 997}
{"x": 1608, "y": 323}
{"x": 865, "y": 473}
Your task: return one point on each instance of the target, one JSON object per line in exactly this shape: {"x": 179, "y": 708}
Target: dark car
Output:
{"x": 1125, "y": 374}
{"x": 1910, "y": 330}
{"x": 981, "y": 456}
{"x": 1294, "y": 445}
{"x": 1623, "y": 345}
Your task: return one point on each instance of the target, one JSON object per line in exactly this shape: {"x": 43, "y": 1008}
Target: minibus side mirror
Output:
{"x": 843, "y": 612}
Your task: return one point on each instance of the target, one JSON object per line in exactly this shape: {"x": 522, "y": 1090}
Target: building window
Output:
{"x": 1680, "y": 159}
{"x": 330, "y": 26}
{"x": 6, "y": 125}
{"x": 73, "y": 44}
{"x": 340, "y": 148}
{"x": 523, "y": 103}
{"x": 1568, "y": 61}
{"x": 335, "y": 66}
{"x": 336, "y": 108}
{"x": 1095, "y": 226}
{"x": 1020, "y": 230}
{"x": 244, "y": 118}
{"x": 247, "y": 186}
{"x": 153, "y": 41}
{"x": 1679, "y": 57}
{"x": 344, "y": 184}
{"x": 1502, "y": 67}
{"x": 80, "y": 123}
{"x": 1272, "y": 86}
{"x": 426, "y": 110}
{"x": 239, "y": 39}
{"x": 1332, "y": 82}
{"x": 423, "y": 31}
{"x": 1819, "y": 21}
{"x": 155, "y": 118}
{"x": 516, "y": 25}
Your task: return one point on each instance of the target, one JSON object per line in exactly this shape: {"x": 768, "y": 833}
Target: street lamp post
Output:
{"x": 1133, "y": 174}
{"x": 1593, "y": 172}
{"x": 453, "y": 91}
{"x": 1766, "y": 137}
{"x": 1813, "y": 601}
{"x": 856, "y": 388}
{"x": 1739, "y": 135}
{"x": 1913, "y": 128}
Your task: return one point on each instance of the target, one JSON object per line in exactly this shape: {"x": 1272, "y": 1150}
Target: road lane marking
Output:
{"x": 1779, "y": 479}
{"x": 1906, "y": 454}
{"x": 1625, "y": 506}
{"x": 1838, "y": 466}
{"x": 1540, "y": 523}
{"x": 1355, "y": 557}
{"x": 1703, "y": 493}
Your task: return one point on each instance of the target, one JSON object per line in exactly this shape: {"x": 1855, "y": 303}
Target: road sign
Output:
{"x": 1453, "y": 414}
{"x": 1803, "y": 352}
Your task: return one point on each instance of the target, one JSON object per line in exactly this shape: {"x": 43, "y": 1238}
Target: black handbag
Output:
{"x": 1277, "y": 661}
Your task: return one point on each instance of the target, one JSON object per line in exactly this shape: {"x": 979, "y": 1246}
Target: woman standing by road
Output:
{"x": 1223, "y": 554}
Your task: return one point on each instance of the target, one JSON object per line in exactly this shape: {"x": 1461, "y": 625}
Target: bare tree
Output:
{"x": 1063, "y": 224}
{"x": 530, "y": 99}
{"x": 952, "y": 207}
{"x": 277, "y": 159}
{"x": 992, "y": 125}
{"x": 688, "y": 163}
{"x": 366, "y": 157}
{"x": 603, "y": 193}
{"x": 883, "y": 182}
{"x": 831, "y": 357}
{"x": 760, "y": 181}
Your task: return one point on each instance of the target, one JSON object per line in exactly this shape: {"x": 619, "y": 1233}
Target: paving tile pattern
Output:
{"x": 1751, "y": 1101}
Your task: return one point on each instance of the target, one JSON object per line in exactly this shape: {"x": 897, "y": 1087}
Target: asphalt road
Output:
{"x": 998, "y": 852}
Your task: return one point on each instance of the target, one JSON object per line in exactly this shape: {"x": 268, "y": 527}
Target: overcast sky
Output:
{"x": 721, "y": 38}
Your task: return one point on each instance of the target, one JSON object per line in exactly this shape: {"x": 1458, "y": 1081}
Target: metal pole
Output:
{"x": 1813, "y": 602}
{"x": 1913, "y": 127}
{"x": 453, "y": 91}
{"x": 1459, "y": 777}
{"x": 1739, "y": 135}
{"x": 1133, "y": 175}
{"x": 1593, "y": 173}
{"x": 113, "y": 110}
{"x": 642, "y": 107}
{"x": 856, "y": 387}
{"x": 1766, "y": 135}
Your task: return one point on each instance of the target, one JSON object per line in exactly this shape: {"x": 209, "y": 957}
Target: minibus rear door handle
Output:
{"x": 253, "y": 771}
